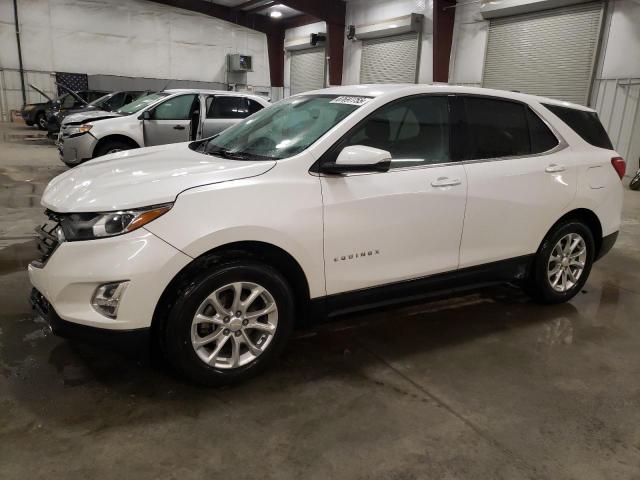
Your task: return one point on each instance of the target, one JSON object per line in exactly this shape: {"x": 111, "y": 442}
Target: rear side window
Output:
{"x": 585, "y": 124}
{"x": 542, "y": 139}
{"x": 254, "y": 106}
{"x": 228, "y": 107}
{"x": 496, "y": 128}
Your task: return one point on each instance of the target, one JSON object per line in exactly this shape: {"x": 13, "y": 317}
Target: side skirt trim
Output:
{"x": 420, "y": 289}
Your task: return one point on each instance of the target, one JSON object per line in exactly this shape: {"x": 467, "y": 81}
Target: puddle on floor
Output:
{"x": 35, "y": 138}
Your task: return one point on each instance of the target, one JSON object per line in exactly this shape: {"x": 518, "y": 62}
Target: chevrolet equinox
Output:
{"x": 325, "y": 203}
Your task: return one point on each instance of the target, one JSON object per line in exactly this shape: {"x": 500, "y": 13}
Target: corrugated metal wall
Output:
{"x": 307, "y": 70}
{"x": 390, "y": 59}
{"x": 618, "y": 104}
{"x": 549, "y": 53}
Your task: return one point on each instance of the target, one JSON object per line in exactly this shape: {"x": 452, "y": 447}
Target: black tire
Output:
{"x": 176, "y": 335}
{"x": 539, "y": 284}
{"x": 41, "y": 122}
{"x": 635, "y": 182}
{"x": 111, "y": 146}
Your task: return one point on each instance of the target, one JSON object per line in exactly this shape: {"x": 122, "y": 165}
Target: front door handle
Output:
{"x": 555, "y": 168}
{"x": 446, "y": 182}
{"x": 178, "y": 127}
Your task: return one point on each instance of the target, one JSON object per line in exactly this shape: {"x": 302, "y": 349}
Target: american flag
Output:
{"x": 74, "y": 81}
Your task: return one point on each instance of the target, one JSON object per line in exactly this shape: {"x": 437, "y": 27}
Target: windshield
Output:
{"x": 282, "y": 130}
{"x": 99, "y": 101}
{"x": 140, "y": 103}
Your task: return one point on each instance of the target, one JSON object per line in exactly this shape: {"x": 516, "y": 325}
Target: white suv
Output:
{"x": 326, "y": 203}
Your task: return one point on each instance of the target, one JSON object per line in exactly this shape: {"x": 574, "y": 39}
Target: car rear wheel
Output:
{"x": 229, "y": 324}
{"x": 563, "y": 263}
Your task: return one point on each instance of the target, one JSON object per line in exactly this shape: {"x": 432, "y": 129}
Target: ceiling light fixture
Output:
{"x": 275, "y": 14}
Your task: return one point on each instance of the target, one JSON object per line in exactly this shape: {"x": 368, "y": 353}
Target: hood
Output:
{"x": 40, "y": 92}
{"x": 142, "y": 177}
{"x": 89, "y": 116}
{"x": 72, "y": 93}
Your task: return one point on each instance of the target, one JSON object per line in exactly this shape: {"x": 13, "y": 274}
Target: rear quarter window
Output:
{"x": 586, "y": 124}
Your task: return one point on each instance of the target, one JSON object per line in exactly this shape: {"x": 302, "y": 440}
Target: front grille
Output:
{"x": 47, "y": 239}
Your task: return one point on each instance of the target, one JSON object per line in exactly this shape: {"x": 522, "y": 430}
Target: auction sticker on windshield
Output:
{"x": 349, "y": 100}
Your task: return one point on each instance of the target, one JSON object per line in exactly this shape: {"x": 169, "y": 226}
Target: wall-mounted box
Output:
{"x": 239, "y": 63}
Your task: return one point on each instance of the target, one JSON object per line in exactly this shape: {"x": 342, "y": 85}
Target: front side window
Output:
{"x": 496, "y": 128}
{"x": 281, "y": 130}
{"x": 175, "y": 108}
{"x": 415, "y": 131}
{"x": 140, "y": 103}
{"x": 226, "y": 107}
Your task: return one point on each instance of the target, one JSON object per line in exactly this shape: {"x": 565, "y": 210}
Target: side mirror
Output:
{"x": 359, "y": 158}
{"x": 146, "y": 115}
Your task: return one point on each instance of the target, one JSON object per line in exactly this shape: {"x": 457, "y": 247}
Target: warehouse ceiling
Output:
{"x": 271, "y": 8}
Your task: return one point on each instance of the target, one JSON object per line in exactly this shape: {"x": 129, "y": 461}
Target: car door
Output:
{"x": 521, "y": 177}
{"x": 406, "y": 223}
{"x": 171, "y": 120}
{"x": 222, "y": 112}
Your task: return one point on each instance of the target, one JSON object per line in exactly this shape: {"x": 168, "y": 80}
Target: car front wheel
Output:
{"x": 41, "y": 121}
{"x": 229, "y": 324}
{"x": 563, "y": 263}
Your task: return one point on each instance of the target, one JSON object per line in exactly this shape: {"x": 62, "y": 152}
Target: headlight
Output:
{"x": 89, "y": 226}
{"x": 79, "y": 130}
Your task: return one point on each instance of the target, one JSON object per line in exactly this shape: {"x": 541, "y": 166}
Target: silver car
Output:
{"x": 170, "y": 116}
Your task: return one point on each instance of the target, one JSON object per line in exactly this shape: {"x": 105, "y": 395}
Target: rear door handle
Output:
{"x": 446, "y": 182}
{"x": 178, "y": 127}
{"x": 555, "y": 168}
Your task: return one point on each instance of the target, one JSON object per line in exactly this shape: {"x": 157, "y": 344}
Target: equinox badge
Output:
{"x": 352, "y": 256}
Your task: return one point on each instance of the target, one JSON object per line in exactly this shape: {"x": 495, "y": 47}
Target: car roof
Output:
{"x": 213, "y": 92}
{"x": 381, "y": 90}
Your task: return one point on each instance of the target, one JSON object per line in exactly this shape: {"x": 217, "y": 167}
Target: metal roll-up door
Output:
{"x": 307, "y": 70}
{"x": 549, "y": 53}
{"x": 390, "y": 59}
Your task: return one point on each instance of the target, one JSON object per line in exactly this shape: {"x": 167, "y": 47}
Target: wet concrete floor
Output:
{"x": 485, "y": 385}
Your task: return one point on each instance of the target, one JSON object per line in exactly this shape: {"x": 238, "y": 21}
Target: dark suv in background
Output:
{"x": 109, "y": 103}
{"x": 36, "y": 113}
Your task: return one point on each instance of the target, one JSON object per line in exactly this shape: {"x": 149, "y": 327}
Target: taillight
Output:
{"x": 619, "y": 165}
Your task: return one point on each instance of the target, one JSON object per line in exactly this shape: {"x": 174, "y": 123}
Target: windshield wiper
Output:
{"x": 225, "y": 153}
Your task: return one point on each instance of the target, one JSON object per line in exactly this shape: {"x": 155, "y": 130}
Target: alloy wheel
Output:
{"x": 567, "y": 262}
{"x": 234, "y": 325}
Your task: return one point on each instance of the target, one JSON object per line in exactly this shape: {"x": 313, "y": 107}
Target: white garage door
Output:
{"x": 307, "y": 70}
{"x": 390, "y": 59}
{"x": 548, "y": 53}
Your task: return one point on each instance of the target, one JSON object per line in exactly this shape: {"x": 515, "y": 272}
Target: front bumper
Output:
{"x": 75, "y": 150}
{"x": 71, "y": 275}
{"x": 137, "y": 340}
